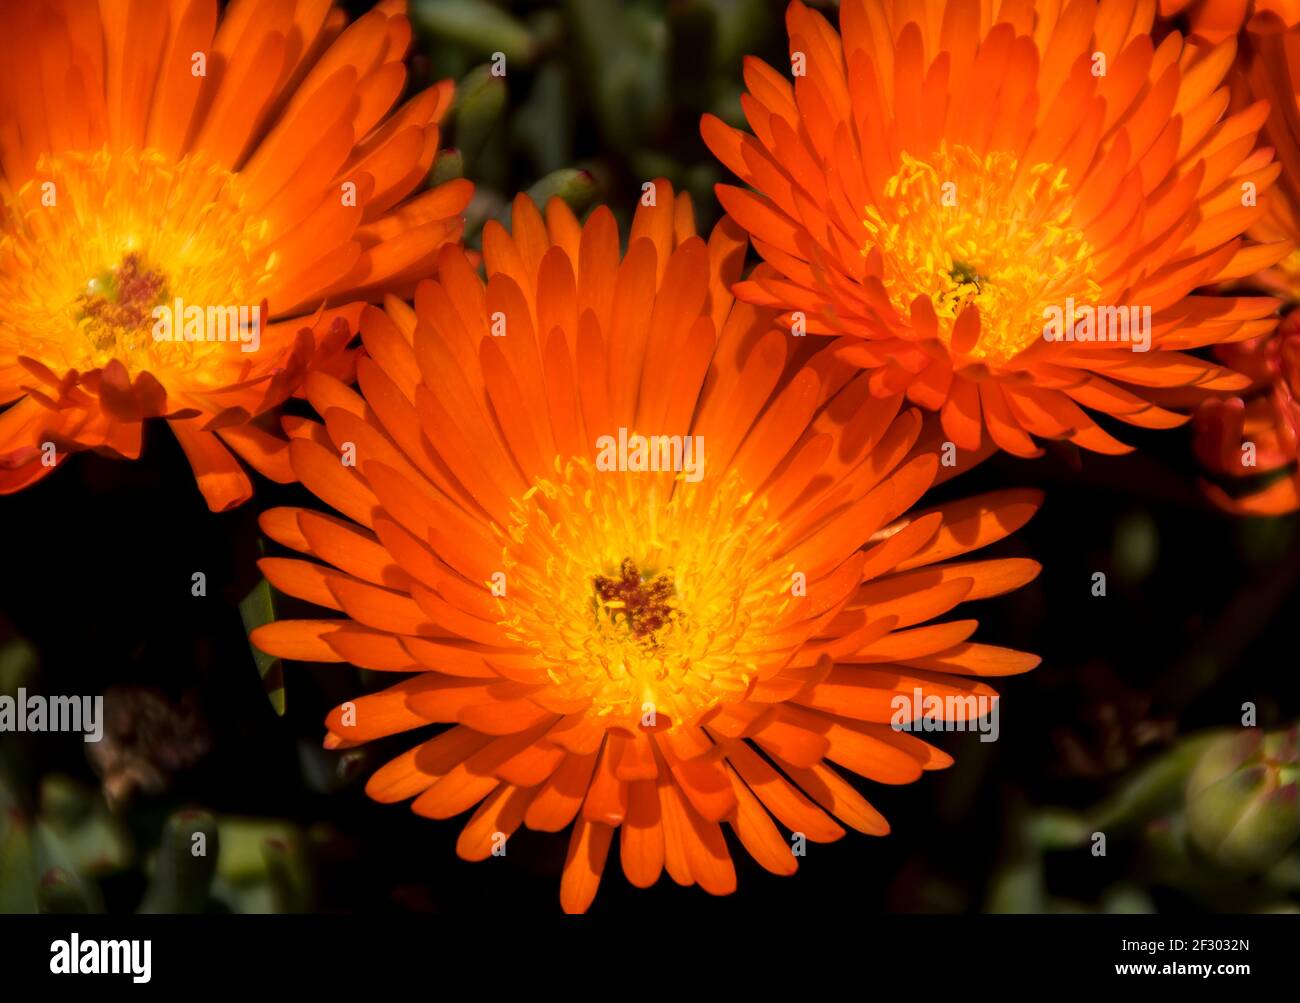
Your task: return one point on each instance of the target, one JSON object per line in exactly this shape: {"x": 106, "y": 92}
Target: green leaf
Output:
{"x": 574, "y": 185}
{"x": 447, "y": 166}
{"x": 17, "y": 866}
{"x": 476, "y": 116}
{"x": 1152, "y": 790}
{"x": 621, "y": 51}
{"x": 289, "y": 875}
{"x": 481, "y": 27}
{"x": 1017, "y": 887}
{"x": 18, "y": 661}
{"x": 243, "y": 846}
{"x": 258, "y": 608}
{"x": 187, "y": 861}
{"x": 544, "y": 123}
{"x": 62, "y": 888}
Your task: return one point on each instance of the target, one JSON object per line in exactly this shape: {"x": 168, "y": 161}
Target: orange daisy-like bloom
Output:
{"x": 943, "y": 183}
{"x": 240, "y": 178}
{"x": 655, "y": 651}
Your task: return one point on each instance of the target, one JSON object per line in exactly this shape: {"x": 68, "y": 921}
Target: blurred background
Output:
{"x": 1131, "y": 728}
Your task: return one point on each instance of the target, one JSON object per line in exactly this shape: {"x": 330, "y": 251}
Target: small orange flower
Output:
{"x": 1268, "y": 70}
{"x": 656, "y": 575}
{"x": 167, "y": 185}
{"x": 944, "y": 185}
{"x": 1250, "y": 443}
{"x": 1255, "y": 441}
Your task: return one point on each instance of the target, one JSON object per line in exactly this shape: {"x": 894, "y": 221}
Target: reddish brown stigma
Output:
{"x": 642, "y": 604}
{"x": 122, "y": 302}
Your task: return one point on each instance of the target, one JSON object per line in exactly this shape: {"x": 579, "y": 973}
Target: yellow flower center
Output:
{"x": 975, "y": 231}
{"x": 94, "y": 243}
{"x": 645, "y": 596}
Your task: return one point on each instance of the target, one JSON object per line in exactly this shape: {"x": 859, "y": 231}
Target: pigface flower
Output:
{"x": 1010, "y": 207}
{"x": 191, "y": 215}
{"x": 652, "y": 575}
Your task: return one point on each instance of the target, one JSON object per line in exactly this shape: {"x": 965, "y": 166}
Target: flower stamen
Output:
{"x": 644, "y": 604}
{"x": 117, "y": 308}
{"x": 977, "y": 230}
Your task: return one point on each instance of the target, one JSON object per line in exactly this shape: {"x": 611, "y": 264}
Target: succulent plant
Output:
{"x": 1243, "y": 799}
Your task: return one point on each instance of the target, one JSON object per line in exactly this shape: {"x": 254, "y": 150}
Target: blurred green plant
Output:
{"x": 1210, "y": 810}
{"x": 1243, "y": 808}
{"x": 61, "y": 840}
{"x": 54, "y": 859}
{"x": 51, "y": 857}
{"x": 609, "y": 93}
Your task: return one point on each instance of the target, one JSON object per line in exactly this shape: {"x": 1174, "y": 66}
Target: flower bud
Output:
{"x": 1243, "y": 805}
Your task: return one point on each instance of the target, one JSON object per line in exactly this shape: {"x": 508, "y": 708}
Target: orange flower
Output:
{"x": 944, "y": 186}
{"x": 1211, "y": 20}
{"x": 655, "y": 574}
{"x": 1215, "y": 20}
{"x": 167, "y": 185}
{"x": 1254, "y": 441}
{"x": 1268, "y": 71}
